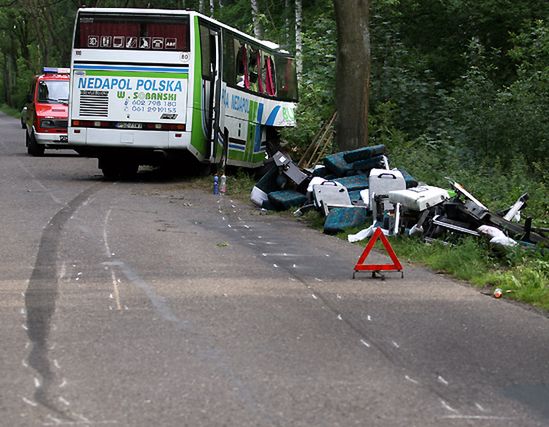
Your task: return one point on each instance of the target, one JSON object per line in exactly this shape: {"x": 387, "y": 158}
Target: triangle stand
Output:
{"x": 377, "y": 268}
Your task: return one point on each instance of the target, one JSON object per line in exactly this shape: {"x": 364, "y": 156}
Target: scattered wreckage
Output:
{"x": 356, "y": 188}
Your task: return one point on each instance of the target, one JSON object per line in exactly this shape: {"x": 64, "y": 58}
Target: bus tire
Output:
{"x": 128, "y": 170}
{"x": 110, "y": 168}
{"x": 33, "y": 148}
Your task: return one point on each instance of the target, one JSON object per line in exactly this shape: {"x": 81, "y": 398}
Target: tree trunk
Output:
{"x": 287, "y": 14}
{"x": 202, "y": 6}
{"x": 258, "y": 28}
{"x": 352, "y": 73}
{"x": 212, "y": 8}
{"x": 299, "y": 38}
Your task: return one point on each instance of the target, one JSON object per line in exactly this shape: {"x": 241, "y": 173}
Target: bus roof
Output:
{"x": 128, "y": 11}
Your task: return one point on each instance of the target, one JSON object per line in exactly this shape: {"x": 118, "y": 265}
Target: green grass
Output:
{"x": 10, "y": 111}
{"x": 522, "y": 274}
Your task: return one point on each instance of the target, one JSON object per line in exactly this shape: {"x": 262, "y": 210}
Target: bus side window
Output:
{"x": 254, "y": 66}
{"x": 242, "y": 77}
{"x": 229, "y": 71}
{"x": 206, "y": 52}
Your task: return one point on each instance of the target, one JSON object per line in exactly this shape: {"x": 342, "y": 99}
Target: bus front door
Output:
{"x": 210, "y": 37}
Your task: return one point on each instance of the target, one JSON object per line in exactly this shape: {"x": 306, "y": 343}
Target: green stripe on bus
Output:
{"x": 198, "y": 138}
{"x": 105, "y": 73}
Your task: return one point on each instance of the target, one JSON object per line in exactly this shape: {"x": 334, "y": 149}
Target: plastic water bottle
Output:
{"x": 223, "y": 184}
{"x": 216, "y": 185}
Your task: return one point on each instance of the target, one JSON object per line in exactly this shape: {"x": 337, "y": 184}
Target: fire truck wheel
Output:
{"x": 33, "y": 148}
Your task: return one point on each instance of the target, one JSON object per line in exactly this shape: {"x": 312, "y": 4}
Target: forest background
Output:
{"x": 458, "y": 88}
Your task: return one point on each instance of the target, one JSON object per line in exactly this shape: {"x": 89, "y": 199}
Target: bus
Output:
{"x": 150, "y": 86}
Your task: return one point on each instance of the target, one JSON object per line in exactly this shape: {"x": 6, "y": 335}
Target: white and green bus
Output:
{"x": 151, "y": 85}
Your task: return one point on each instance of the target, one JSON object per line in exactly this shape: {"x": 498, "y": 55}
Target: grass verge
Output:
{"x": 522, "y": 274}
{"x": 10, "y": 111}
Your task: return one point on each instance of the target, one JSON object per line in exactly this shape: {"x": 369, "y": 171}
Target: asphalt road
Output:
{"x": 156, "y": 303}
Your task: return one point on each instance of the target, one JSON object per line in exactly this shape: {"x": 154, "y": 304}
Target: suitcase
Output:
{"x": 330, "y": 194}
{"x": 337, "y": 164}
{"x": 286, "y": 199}
{"x": 338, "y": 219}
{"x": 383, "y": 181}
{"x": 354, "y": 182}
{"x": 419, "y": 198}
{"x": 364, "y": 153}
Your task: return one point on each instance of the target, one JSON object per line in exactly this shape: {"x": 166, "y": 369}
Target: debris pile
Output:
{"x": 358, "y": 188}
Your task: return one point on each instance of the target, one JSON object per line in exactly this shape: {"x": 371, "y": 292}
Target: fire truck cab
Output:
{"x": 47, "y": 111}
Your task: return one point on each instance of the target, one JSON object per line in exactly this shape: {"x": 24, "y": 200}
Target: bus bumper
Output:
{"x": 127, "y": 138}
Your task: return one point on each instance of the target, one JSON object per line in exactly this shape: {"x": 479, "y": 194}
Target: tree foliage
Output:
{"x": 458, "y": 85}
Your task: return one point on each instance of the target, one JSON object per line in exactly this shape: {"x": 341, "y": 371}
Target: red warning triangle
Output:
{"x": 396, "y": 266}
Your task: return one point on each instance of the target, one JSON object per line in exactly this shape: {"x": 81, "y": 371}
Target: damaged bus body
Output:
{"x": 149, "y": 86}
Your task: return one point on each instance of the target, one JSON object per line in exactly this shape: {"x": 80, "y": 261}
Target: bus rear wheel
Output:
{"x": 114, "y": 169}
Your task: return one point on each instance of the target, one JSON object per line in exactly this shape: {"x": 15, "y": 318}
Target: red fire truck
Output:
{"x": 47, "y": 111}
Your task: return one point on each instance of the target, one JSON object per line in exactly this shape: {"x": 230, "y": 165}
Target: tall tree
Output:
{"x": 299, "y": 37}
{"x": 258, "y": 28}
{"x": 352, "y": 73}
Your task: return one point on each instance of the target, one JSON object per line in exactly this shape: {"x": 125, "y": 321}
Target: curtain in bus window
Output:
{"x": 107, "y": 34}
{"x": 270, "y": 88}
{"x": 260, "y": 80}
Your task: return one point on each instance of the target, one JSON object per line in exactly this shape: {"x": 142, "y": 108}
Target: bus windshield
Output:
{"x": 140, "y": 32}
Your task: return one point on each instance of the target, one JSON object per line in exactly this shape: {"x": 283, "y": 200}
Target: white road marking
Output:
{"x": 251, "y": 243}
{"x": 339, "y": 317}
{"x": 229, "y": 225}
{"x": 294, "y": 266}
{"x": 395, "y": 344}
{"x": 479, "y": 407}
{"x": 24, "y": 363}
{"x": 442, "y": 380}
{"x": 327, "y": 255}
{"x": 246, "y": 226}
{"x": 56, "y": 421}
{"x": 260, "y": 237}
{"x": 56, "y": 364}
{"x": 63, "y": 383}
{"x": 318, "y": 280}
{"x": 365, "y": 343}
{"x": 369, "y": 318}
{"x": 25, "y": 327}
{"x": 23, "y": 312}
{"x": 411, "y": 380}
{"x": 62, "y": 270}
{"x": 275, "y": 266}
{"x": 314, "y": 296}
{"x": 64, "y": 401}
{"x": 476, "y": 417}
{"x": 29, "y": 402}
{"x": 448, "y": 407}
{"x": 338, "y": 296}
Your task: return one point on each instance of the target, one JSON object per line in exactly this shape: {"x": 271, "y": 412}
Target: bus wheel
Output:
{"x": 128, "y": 170}
{"x": 33, "y": 148}
{"x": 110, "y": 168}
